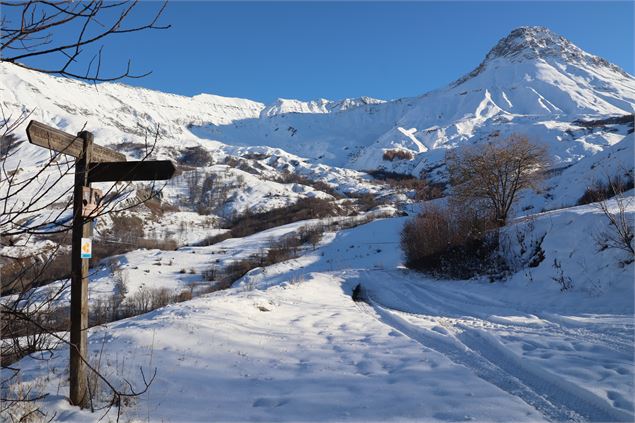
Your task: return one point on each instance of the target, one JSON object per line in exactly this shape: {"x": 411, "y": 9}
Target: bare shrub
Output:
{"x": 160, "y": 297}
{"x": 494, "y": 173}
{"x": 619, "y": 234}
{"x": 423, "y": 187}
{"x": 197, "y": 156}
{"x": 21, "y": 337}
{"x": 236, "y": 270}
{"x": 564, "y": 281}
{"x": 184, "y": 295}
{"x": 278, "y": 254}
{"x": 294, "y": 178}
{"x": 599, "y": 190}
{"x": 311, "y": 235}
{"x": 158, "y": 207}
{"x": 366, "y": 201}
{"x": 194, "y": 181}
{"x": 126, "y": 227}
{"x": 452, "y": 242}
{"x": 397, "y": 154}
{"x": 141, "y": 300}
{"x": 157, "y": 244}
{"x": 285, "y": 249}
{"x": 21, "y": 401}
{"x": 303, "y": 209}
{"x": 20, "y": 274}
{"x": 210, "y": 274}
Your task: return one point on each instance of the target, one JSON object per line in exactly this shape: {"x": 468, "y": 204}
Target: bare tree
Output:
{"x": 69, "y": 34}
{"x": 495, "y": 173}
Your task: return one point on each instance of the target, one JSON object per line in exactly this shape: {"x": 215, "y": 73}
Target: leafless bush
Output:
{"x": 208, "y": 192}
{"x": 194, "y": 185}
{"x": 156, "y": 244}
{"x": 424, "y": 189}
{"x": 21, "y": 401}
{"x": 303, "y": 209}
{"x": 197, "y": 156}
{"x": 155, "y": 203}
{"x": 21, "y": 337}
{"x": 126, "y": 234}
{"x": 365, "y": 202}
{"x": 311, "y": 235}
{"x": 452, "y": 242}
{"x": 184, "y": 295}
{"x": 126, "y": 227}
{"x": 160, "y": 297}
{"x": 237, "y": 269}
{"x": 600, "y": 191}
{"x": 215, "y": 239}
{"x": 619, "y": 234}
{"x": 397, "y": 154}
{"x": 282, "y": 250}
{"x": 294, "y": 178}
{"x": 20, "y": 274}
{"x": 564, "y": 281}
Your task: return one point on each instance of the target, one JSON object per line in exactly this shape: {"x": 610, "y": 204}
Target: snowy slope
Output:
{"x": 122, "y": 116}
{"x": 569, "y": 183}
{"x": 289, "y": 344}
{"x": 533, "y": 82}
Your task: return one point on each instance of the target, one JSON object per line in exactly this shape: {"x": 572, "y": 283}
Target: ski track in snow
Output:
{"x": 556, "y": 398}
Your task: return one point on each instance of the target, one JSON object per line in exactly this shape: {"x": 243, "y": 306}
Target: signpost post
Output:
{"x": 93, "y": 163}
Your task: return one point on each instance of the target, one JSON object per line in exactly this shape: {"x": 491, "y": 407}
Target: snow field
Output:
{"x": 287, "y": 343}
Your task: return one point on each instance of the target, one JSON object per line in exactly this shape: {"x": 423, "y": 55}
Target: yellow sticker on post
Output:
{"x": 87, "y": 248}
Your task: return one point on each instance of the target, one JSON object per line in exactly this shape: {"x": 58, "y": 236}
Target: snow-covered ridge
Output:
{"x": 322, "y": 105}
{"x": 533, "y": 82}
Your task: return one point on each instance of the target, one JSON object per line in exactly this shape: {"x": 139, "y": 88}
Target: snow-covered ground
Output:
{"x": 288, "y": 343}
{"x": 176, "y": 271}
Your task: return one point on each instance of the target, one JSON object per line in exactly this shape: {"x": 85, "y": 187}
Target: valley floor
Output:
{"x": 288, "y": 343}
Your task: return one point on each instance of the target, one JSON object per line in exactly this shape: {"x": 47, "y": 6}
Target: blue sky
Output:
{"x": 307, "y": 50}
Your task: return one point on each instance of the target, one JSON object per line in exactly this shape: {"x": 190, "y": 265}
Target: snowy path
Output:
{"x": 465, "y": 341}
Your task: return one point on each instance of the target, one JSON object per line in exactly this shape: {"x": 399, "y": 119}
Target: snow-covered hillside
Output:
{"x": 288, "y": 341}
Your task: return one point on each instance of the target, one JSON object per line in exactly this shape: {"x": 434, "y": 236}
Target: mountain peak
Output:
{"x": 529, "y": 43}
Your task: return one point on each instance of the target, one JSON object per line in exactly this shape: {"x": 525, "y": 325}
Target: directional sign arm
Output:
{"x": 146, "y": 170}
{"x": 65, "y": 143}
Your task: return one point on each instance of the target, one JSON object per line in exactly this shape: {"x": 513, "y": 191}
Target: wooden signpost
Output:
{"x": 93, "y": 163}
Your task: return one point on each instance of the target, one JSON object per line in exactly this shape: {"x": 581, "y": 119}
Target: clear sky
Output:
{"x": 304, "y": 50}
